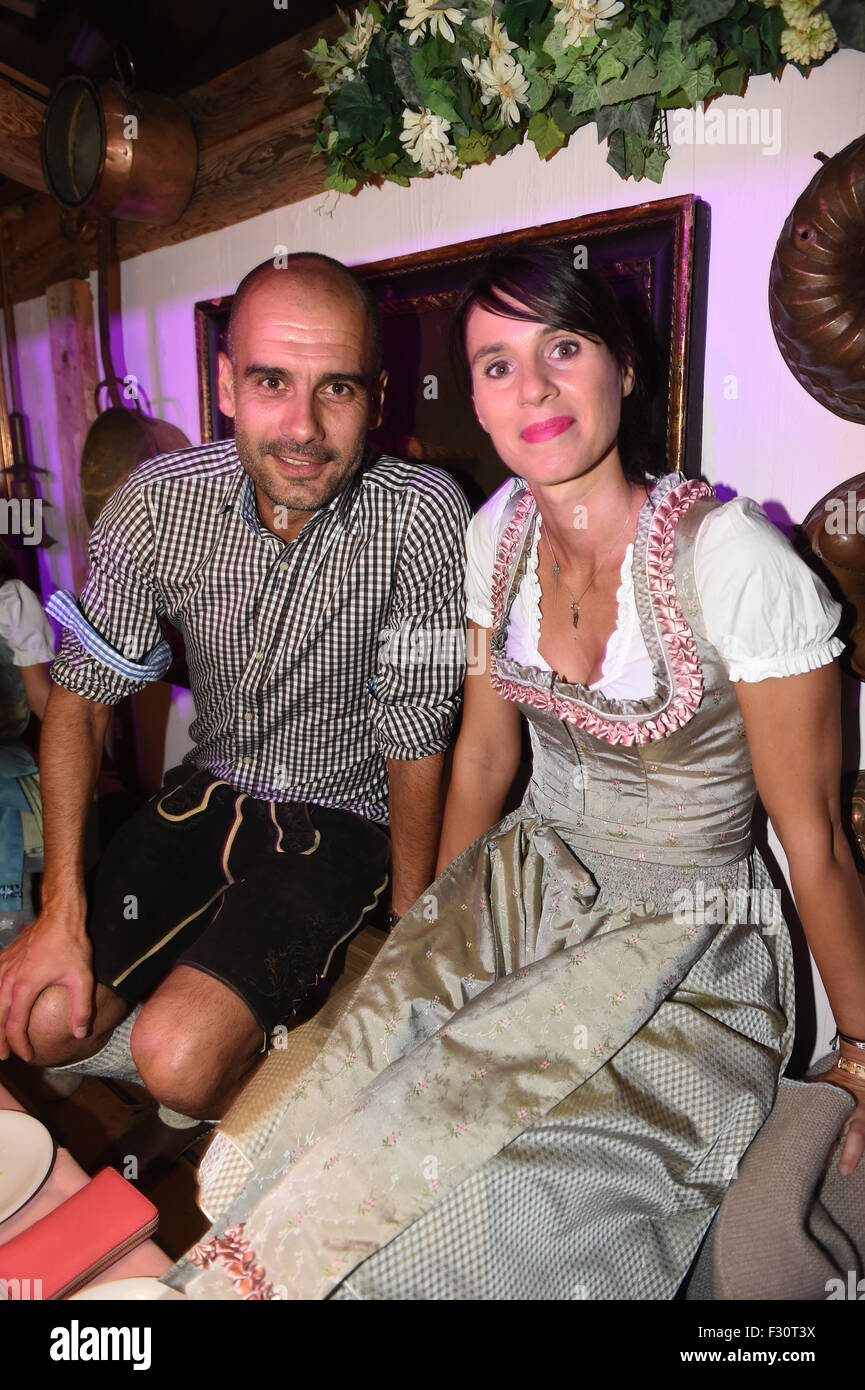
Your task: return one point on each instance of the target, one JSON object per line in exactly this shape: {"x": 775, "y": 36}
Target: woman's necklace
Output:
{"x": 575, "y": 605}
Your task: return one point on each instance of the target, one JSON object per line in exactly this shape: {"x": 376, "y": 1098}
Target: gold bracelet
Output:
{"x": 856, "y": 1068}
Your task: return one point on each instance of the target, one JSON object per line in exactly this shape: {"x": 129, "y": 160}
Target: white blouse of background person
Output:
{"x": 764, "y": 611}
{"x": 25, "y": 628}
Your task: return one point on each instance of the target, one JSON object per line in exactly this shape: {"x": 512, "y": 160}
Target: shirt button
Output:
{"x": 258, "y": 656}
{"x": 247, "y": 716}
{"x": 283, "y": 564}
{"x": 247, "y": 761}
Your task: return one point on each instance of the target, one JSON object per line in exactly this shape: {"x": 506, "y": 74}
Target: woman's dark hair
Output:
{"x": 550, "y": 290}
{"x": 8, "y": 567}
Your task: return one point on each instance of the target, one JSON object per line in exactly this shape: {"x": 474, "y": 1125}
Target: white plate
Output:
{"x": 26, "y": 1154}
{"x": 146, "y": 1288}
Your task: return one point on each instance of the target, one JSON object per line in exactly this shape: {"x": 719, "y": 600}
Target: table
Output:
{"x": 65, "y": 1178}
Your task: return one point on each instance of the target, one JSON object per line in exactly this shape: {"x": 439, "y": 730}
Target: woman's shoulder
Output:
{"x": 485, "y": 522}
{"x": 739, "y": 535}
{"x": 764, "y": 609}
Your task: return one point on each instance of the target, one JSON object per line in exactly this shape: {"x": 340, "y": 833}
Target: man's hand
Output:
{"x": 49, "y": 952}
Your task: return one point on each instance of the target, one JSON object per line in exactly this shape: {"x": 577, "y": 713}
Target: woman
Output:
{"x": 544, "y": 1084}
{"x": 26, "y": 648}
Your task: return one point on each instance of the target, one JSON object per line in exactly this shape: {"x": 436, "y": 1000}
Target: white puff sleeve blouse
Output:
{"x": 24, "y": 625}
{"x": 764, "y": 610}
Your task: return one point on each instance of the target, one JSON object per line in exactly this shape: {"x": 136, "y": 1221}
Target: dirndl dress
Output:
{"x": 545, "y": 1082}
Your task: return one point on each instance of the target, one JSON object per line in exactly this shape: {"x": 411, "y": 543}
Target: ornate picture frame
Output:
{"x": 656, "y": 257}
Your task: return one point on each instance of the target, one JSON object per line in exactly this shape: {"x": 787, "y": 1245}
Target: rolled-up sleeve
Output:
{"x": 414, "y": 697}
{"x": 112, "y": 642}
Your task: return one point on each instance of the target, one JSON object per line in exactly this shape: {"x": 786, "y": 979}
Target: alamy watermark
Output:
{"x": 757, "y": 907}
{"x": 845, "y": 516}
{"x": 737, "y": 125}
{"x": 22, "y": 518}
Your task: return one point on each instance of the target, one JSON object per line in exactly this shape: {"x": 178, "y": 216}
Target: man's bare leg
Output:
{"x": 195, "y": 1043}
{"x": 48, "y": 1030}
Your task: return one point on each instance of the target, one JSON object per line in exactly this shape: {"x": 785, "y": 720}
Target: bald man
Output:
{"x": 318, "y": 588}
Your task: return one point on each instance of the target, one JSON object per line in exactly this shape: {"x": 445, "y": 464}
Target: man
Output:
{"x": 285, "y": 558}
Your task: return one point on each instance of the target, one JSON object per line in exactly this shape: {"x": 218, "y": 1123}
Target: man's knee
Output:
{"x": 49, "y": 1033}
{"x": 178, "y": 1065}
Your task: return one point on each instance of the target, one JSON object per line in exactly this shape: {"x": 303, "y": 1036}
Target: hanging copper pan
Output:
{"x": 111, "y": 149}
{"x": 121, "y": 437}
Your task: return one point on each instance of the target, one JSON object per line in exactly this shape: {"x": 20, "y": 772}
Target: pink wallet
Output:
{"x": 79, "y": 1239}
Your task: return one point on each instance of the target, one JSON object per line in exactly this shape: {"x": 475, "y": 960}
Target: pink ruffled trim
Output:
{"x": 675, "y": 634}
{"x": 239, "y": 1262}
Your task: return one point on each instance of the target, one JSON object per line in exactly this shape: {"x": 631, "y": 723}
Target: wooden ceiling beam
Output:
{"x": 255, "y": 127}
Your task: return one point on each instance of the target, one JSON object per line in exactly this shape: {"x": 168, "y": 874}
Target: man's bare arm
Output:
{"x": 415, "y": 825}
{"x": 55, "y": 949}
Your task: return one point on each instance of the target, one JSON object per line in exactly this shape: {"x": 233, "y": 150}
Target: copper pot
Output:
{"x": 131, "y": 155}
{"x": 117, "y": 441}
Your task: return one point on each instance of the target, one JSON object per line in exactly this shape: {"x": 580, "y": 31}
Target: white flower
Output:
{"x": 493, "y": 30}
{"x": 425, "y": 137}
{"x": 809, "y": 42}
{"x": 582, "y": 17}
{"x": 503, "y": 78}
{"x": 418, "y": 12}
{"x": 797, "y": 12}
{"x": 364, "y": 30}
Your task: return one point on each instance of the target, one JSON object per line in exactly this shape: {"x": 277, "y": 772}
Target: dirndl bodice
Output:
{"x": 666, "y": 779}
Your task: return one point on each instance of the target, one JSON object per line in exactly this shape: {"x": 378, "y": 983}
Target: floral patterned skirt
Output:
{"x": 541, "y": 1089}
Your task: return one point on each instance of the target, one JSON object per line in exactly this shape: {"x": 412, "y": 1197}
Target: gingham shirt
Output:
{"x": 311, "y": 662}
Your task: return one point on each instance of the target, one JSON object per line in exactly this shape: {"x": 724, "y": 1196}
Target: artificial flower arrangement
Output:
{"x": 421, "y": 87}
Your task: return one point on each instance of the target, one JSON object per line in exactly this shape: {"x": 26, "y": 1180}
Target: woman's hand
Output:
{"x": 853, "y": 1130}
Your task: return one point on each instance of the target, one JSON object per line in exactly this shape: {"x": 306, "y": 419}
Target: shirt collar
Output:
{"x": 239, "y": 494}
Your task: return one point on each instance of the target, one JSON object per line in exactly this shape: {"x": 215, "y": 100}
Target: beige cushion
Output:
{"x": 790, "y": 1222}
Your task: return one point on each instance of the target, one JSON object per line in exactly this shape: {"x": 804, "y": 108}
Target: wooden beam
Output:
{"x": 255, "y": 127}
{"x": 73, "y": 361}
{"x": 20, "y": 131}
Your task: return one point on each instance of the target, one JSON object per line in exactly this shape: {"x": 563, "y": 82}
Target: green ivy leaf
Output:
{"x": 616, "y": 154}
{"x": 540, "y": 91}
{"x": 517, "y": 15}
{"x": 545, "y": 135}
{"x": 698, "y": 83}
{"x": 772, "y": 25}
{"x": 564, "y": 119}
{"x": 473, "y": 148}
{"x": 696, "y": 14}
{"x": 507, "y": 139}
{"x": 584, "y": 98}
{"x": 358, "y": 115}
{"x": 635, "y": 158}
{"x": 629, "y": 46}
{"x": 438, "y": 96}
{"x": 731, "y": 80}
{"x": 343, "y": 183}
{"x": 672, "y": 71}
{"x": 608, "y": 67}
{"x": 655, "y": 164}
{"x": 399, "y": 52}
{"x": 554, "y": 43}
{"x": 634, "y": 116}
{"x": 641, "y": 80}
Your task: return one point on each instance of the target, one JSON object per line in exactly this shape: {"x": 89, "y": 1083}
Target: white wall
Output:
{"x": 773, "y": 442}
